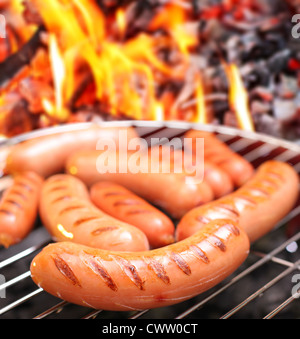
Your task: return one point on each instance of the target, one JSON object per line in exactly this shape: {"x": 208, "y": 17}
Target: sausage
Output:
{"x": 69, "y": 215}
{"x": 124, "y": 205}
{"x": 257, "y": 206}
{"x": 238, "y": 168}
{"x": 19, "y": 208}
{"x": 123, "y": 281}
{"x": 172, "y": 192}
{"x": 46, "y": 155}
{"x": 219, "y": 181}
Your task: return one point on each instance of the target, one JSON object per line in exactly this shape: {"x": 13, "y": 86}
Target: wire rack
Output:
{"x": 261, "y": 288}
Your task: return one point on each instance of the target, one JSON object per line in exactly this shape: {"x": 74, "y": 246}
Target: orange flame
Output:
{"x": 201, "y": 115}
{"x": 59, "y": 74}
{"x": 238, "y": 98}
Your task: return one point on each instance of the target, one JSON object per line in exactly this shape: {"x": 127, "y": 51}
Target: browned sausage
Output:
{"x": 69, "y": 215}
{"x": 142, "y": 280}
{"x": 19, "y": 207}
{"x": 257, "y": 206}
{"x": 123, "y": 204}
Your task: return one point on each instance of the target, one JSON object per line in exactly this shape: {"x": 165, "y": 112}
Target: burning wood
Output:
{"x": 226, "y": 62}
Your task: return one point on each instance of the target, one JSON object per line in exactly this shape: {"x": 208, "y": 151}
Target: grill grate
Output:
{"x": 260, "y": 288}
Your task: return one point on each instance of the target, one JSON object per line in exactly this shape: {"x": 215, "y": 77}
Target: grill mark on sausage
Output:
{"x": 7, "y": 212}
{"x": 247, "y": 200}
{"x": 13, "y": 202}
{"x": 24, "y": 185}
{"x": 19, "y": 194}
{"x": 112, "y": 194}
{"x": 64, "y": 197}
{"x": 98, "y": 269}
{"x": 138, "y": 212}
{"x": 66, "y": 270}
{"x": 127, "y": 202}
{"x": 177, "y": 259}
{"x": 227, "y": 208}
{"x": 276, "y": 176}
{"x": 269, "y": 183}
{"x": 58, "y": 188}
{"x": 199, "y": 253}
{"x": 101, "y": 230}
{"x": 233, "y": 229}
{"x": 260, "y": 191}
{"x": 217, "y": 242}
{"x": 70, "y": 208}
{"x": 81, "y": 221}
{"x": 202, "y": 219}
{"x": 131, "y": 272}
{"x": 159, "y": 270}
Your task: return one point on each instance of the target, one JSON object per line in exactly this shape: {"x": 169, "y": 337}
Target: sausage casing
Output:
{"x": 19, "y": 207}
{"x": 46, "y": 155}
{"x": 258, "y": 205}
{"x": 69, "y": 215}
{"x": 238, "y": 168}
{"x": 135, "y": 281}
{"x": 123, "y": 204}
{"x": 172, "y": 192}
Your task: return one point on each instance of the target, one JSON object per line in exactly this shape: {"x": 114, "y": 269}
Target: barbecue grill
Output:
{"x": 261, "y": 288}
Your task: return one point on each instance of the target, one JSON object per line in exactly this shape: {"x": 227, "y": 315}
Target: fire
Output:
{"x": 173, "y": 18}
{"x": 201, "y": 116}
{"x": 59, "y": 75}
{"x": 129, "y": 76}
{"x": 238, "y": 98}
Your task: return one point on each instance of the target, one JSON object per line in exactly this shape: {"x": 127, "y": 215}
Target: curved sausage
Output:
{"x": 257, "y": 206}
{"x": 19, "y": 208}
{"x": 172, "y": 192}
{"x": 135, "y": 281}
{"x": 46, "y": 155}
{"x": 124, "y": 205}
{"x": 69, "y": 215}
{"x": 217, "y": 152}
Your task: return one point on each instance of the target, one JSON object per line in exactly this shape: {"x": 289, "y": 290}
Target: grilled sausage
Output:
{"x": 257, "y": 206}
{"x": 215, "y": 151}
{"x": 172, "y": 192}
{"x": 219, "y": 181}
{"x": 122, "y": 281}
{"x": 46, "y": 155}
{"x": 124, "y": 205}
{"x": 69, "y": 215}
{"x": 19, "y": 207}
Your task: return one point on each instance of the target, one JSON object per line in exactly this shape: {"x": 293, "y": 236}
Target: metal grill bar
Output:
{"x": 256, "y": 149}
{"x": 262, "y": 289}
{"x": 247, "y": 271}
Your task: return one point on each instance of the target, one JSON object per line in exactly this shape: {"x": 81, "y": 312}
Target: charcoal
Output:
{"x": 284, "y": 110}
{"x": 268, "y": 124}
